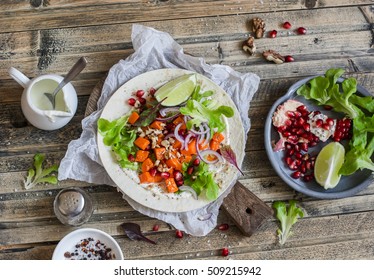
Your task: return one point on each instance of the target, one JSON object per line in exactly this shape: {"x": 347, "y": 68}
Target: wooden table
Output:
{"x": 48, "y": 36}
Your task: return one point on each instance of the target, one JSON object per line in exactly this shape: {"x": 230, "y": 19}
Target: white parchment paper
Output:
{"x": 156, "y": 50}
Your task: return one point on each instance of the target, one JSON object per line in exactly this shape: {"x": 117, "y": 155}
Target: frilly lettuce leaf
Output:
{"x": 40, "y": 175}
{"x": 287, "y": 216}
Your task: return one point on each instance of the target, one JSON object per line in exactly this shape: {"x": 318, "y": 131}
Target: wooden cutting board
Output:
{"x": 246, "y": 210}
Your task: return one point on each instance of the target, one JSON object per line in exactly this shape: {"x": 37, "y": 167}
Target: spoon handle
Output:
{"x": 74, "y": 71}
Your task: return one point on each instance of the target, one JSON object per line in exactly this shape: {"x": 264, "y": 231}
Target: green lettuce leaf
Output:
{"x": 287, "y": 215}
{"x": 120, "y": 139}
{"x": 201, "y": 113}
{"x": 39, "y": 175}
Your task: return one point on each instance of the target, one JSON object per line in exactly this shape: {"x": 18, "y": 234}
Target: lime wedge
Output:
{"x": 328, "y": 163}
{"x": 176, "y": 91}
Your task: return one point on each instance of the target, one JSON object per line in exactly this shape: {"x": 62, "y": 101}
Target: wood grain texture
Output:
{"x": 49, "y": 36}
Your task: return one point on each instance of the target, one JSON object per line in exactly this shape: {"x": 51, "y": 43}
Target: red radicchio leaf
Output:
{"x": 133, "y": 232}
{"x": 229, "y": 155}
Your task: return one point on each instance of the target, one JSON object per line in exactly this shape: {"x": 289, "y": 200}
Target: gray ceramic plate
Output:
{"x": 348, "y": 185}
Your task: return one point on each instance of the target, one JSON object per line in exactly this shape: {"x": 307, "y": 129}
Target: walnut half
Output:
{"x": 258, "y": 27}
{"x": 249, "y": 45}
{"x": 273, "y": 56}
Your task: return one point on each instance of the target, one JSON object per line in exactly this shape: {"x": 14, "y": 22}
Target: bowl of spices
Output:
{"x": 87, "y": 244}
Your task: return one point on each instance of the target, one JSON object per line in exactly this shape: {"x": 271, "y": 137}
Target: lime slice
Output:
{"x": 328, "y": 163}
{"x": 176, "y": 91}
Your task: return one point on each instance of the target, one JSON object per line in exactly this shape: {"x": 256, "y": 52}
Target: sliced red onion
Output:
{"x": 190, "y": 190}
{"x": 202, "y": 130}
{"x": 187, "y": 140}
{"x": 204, "y": 153}
{"x": 168, "y": 135}
{"x": 177, "y": 136}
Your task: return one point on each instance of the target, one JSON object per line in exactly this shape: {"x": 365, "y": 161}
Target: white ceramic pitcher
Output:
{"x": 36, "y": 107}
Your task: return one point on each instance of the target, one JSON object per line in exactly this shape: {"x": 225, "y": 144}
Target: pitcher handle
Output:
{"x": 18, "y": 76}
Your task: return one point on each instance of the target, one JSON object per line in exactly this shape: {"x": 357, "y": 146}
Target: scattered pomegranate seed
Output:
{"x": 273, "y": 33}
{"x": 319, "y": 123}
{"x": 156, "y": 227}
{"x": 287, "y": 25}
{"x": 177, "y": 175}
{"x": 179, "y": 183}
{"x": 131, "y": 157}
{"x": 190, "y": 170}
{"x": 153, "y": 171}
{"x": 223, "y": 227}
{"x": 296, "y": 175}
{"x": 289, "y": 58}
{"x": 165, "y": 175}
{"x": 178, "y": 233}
{"x": 301, "y": 31}
{"x": 142, "y": 100}
{"x": 328, "y": 107}
{"x": 131, "y": 101}
{"x": 225, "y": 252}
{"x": 139, "y": 93}
{"x": 196, "y": 162}
{"x": 152, "y": 91}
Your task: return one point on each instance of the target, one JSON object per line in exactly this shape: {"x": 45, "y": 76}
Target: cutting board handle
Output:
{"x": 246, "y": 210}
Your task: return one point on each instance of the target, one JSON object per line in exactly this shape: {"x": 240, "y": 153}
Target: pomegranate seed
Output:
{"x": 288, "y": 122}
{"x": 289, "y": 58}
{"x": 297, "y": 114}
{"x": 313, "y": 143}
{"x": 286, "y": 134}
{"x": 179, "y": 183}
{"x": 328, "y": 107}
{"x": 148, "y": 148}
{"x": 308, "y": 178}
{"x": 326, "y": 126}
{"x": 308, "y": 165}
{"x": 316, "y": 113}
{"x": 293, "y": 165}
{"x": 301, "y": 108}
{"x": 131, "y": 157}
{"x": 223, "y": 227}
{"x": 225, "y": 252}
{"x": 139, "y": 93}
{"x": 296, "y": 175}
{"x": 282, "y": 128}
{"x": 304, "y": 146}
{"x": 293, "y": 138}
{"x": 190, "y": 170}
{"x": 301, "y": 31}
{"x": 298, "y": 155}
{"x": 156, "y": 227}
{"x": 152, "y": 91}
{"x": 288, "y": 160}
{"x": 286, "y": 25}
{"x": 288, "y": 146}
{"x": 297, "y": 148}
{"x": 319, "y": 123}
{"x": 177, "y": 175}
{"x": 273, "y": 34}
{"x": 196, "y": 162}
{"x": 153, "y": 171}
{"x": 290, "y": 114}
{"x": 347, "y": 122}
{"x": 165, "y": 175}
{"x": 290, "y": 152}
{"x": 131, "y": 101}
{"x": 303, "y": 168}
{"x": 329, "y": 121}
{"x": 178, "y": 233}
{"x": 142, "y": 100}
{"x": 306, "y": 127}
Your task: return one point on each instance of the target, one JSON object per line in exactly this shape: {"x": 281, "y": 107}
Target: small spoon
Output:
{"x": 74, "y": 71}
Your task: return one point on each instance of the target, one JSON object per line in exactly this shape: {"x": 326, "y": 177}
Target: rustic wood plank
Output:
{"x": 316, "y": 235}
{"x": 83, "y": 14}
{"x": 48, "y": 46}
